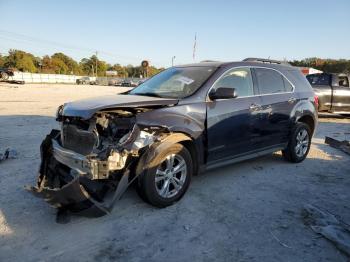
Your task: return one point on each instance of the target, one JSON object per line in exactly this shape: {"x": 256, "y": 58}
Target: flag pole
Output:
{"x": 194, "y": 47}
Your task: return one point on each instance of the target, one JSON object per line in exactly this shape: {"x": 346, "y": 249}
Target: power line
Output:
{"x": 16, "y": 37}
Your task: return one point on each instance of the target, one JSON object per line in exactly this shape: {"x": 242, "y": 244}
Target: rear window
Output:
{"x": 319, "y": 79}
{"x": 269, "y": 81}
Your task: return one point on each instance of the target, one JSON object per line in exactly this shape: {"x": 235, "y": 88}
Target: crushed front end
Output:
{"x": 86, "y": 166}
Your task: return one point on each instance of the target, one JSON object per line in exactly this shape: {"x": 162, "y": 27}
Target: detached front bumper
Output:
{"x": 81, "y": 191}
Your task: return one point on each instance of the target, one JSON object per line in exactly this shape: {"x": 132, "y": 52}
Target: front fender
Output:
{"x": 149, "y": 155}
{"x": 188, "y": 119}
{"x": 162, "y": 145}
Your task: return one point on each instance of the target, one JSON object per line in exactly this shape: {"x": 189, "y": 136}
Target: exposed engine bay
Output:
{"x": 86, "y": 165}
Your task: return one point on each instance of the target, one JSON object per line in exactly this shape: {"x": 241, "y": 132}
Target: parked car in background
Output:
{"x": 180, "y": 122}
{"x": 128, "y": 83}
{"x": 85, "y": 81}
{"x": 5, "y": 73}
{"x": 142, "y": 81}
{"x": 115, "y": 82}
{"x": 333, "y": 92}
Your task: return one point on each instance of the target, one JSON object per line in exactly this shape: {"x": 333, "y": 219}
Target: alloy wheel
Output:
{"x": 170, "y": 176}
{"x": 302, "y": 143}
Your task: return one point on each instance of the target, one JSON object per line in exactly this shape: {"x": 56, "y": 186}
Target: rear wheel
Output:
{"x": 4, "y": 76}
{"x": 299, "y": 144}
{"x": 167, "y": 177}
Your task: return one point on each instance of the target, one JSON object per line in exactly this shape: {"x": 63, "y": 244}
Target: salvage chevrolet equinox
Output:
{"x": 180, "y": 122}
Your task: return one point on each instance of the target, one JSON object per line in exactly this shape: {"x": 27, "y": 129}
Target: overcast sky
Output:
{"x": 128, "y": 31}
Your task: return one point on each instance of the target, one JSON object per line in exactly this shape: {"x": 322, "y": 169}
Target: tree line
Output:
{"x": 60, "y": 63}
{"x": 325, "y": 65}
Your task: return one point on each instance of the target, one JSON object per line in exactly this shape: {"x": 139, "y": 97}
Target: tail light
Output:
{"x": 316, "y": 101}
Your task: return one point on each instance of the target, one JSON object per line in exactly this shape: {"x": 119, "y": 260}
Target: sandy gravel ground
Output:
{"x": 249, "y": 211}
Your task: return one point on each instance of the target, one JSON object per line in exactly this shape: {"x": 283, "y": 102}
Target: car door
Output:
{"x": 341, "y": 94}
{"x": 278, "y": 100}
{"x": 230, "y": 122}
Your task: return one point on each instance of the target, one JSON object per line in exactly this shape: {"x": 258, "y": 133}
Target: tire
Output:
{"x": 4, "y": 76}
{"x": 299, "y": 144}
{"x": 171, "y": 185}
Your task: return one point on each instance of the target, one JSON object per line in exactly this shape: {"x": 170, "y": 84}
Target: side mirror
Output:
{"x": 222, "y": 93}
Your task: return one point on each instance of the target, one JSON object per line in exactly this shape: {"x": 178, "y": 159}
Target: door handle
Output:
{"x": 254, "y": 107}
{"x": 292, "y": 100}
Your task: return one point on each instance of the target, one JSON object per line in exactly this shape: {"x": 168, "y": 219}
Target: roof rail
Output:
{"x": 264, "y": 60}
{"x": 208, "y": 61}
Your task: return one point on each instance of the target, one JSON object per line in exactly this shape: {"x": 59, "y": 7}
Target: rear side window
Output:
{"x": 319, "y": 79}
{"x": 270, "y": 81}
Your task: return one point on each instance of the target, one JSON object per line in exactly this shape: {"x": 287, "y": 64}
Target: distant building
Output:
{"x": 111, "y": 73}
{"x": 309, "y": 70}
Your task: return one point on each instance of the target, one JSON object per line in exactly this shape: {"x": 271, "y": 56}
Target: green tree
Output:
{"x": 60, "y": 63}
{"x": 46, "y": 65}
{"x": 2, "y": 61}
{"x": 326, "y": 65}
{"x": 153, "y": 71}
{"x": 59, "y": 66}
{"x": 133, "y": 71}
{"x": 20, "y": 60}
{"x": 120, "y": 69}
{"x": 88, "y": 66}
{"x": 71, "y": 64}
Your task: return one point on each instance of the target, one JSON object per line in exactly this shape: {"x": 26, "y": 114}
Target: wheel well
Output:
{"x": 193, "y": 151}
{"x": 309, "y": 121}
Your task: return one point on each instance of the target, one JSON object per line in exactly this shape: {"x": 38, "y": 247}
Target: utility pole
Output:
{"x": 172, "y": 60}
{"x": 96, "y": 66}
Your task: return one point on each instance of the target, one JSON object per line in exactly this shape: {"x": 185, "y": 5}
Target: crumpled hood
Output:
{"x": 85, "y": 108}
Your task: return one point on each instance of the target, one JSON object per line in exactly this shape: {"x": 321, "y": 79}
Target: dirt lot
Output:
{"x": 249, "y": 211}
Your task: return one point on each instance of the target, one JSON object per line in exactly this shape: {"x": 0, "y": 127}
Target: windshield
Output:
{"x": 175, "y": 82}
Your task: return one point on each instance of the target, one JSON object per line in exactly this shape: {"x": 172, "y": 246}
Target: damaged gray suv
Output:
{"x": 183, "y": 121}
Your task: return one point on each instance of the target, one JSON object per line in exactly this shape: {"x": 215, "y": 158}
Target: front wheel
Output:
{"x": 167, "y": 177}
{"x": 299, "y": 143}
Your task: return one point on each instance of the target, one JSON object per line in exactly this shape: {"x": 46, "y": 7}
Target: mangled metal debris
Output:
{"x": 342, "y": 145}
{"x": 326, "y": 224}
{"x": 85, "y": 167}
{"x": 8, "y": 154}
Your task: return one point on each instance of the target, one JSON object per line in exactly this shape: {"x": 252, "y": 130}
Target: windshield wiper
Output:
{"x": 147, "y": 94}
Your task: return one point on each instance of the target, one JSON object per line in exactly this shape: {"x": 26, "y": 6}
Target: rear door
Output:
{"x": 341, "y": 94}
{"x": 231, "y": 122}
{"x": 278, "y": 100}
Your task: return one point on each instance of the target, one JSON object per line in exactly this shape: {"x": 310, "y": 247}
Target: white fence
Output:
{"x": 67, "y": 79}
{"x": 46, "y": 78}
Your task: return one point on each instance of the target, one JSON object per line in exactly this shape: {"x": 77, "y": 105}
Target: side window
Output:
{"x": 287, "y": 85}
{"x": 343, "y": 81}
{"x": 269, "y": 81}
{"x": 238, "y": 78}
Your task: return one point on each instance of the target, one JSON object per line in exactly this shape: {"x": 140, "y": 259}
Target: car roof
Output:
{"x": 239, "y": 63}
{"x": 204, "y": 64}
